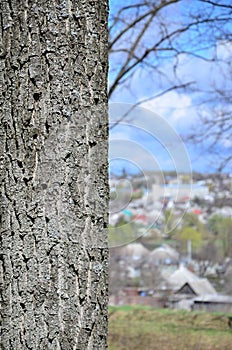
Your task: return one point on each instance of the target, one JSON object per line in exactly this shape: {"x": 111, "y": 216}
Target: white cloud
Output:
{"x": 148, "y": 140}
{"x": 177, "y": 108}
{"x": 226, "y": 143}
{"x": 224, "y": 50}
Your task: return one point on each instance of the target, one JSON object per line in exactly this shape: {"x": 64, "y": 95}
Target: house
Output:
{"x": 179, "y": 191}
{"x": 183, "y": 278}
{"x": 134, "y": 251}
{"x": 186, "y": 287}
{"x": 136, "y": 296}
{"x": 213, "y": 303}
{"x": 164, "y": 255}
{"x": 195, "y": 288}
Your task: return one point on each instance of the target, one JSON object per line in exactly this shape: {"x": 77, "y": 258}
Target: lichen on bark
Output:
{"x": 54, "y": 174}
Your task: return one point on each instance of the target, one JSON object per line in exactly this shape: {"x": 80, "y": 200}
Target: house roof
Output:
{"x": 214, "y": 299}
{"x": 197, "y": 211}
{"x": 135, "y": 250}
{"x": 164, "y": 253}
{"x": 201, "y": 287}
{"x": 183, "y": 277}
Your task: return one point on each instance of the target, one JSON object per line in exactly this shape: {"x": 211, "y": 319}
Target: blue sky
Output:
{"x": 177, "y": 111}
{"x": 144, "y": 140}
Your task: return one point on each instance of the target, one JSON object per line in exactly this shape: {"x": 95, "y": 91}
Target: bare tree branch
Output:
{"x": 216, "y": 4}
{"x": 123, "y": 117}
{"x": 148, "y": 34}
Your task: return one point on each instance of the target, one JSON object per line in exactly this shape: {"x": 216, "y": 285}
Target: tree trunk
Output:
{"x": 54, "y": 186}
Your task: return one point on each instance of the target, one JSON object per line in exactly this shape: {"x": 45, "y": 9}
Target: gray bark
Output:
{"x": 54, "y": 186}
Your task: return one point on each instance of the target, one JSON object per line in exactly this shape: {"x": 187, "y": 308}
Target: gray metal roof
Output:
{"x": 214, "y": 299}
{"x": 200, "y": 286}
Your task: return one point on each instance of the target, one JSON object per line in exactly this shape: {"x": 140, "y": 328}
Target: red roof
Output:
{"x": 197, "y": 211}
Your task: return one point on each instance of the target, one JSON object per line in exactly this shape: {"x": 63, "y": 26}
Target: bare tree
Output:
{"x": 54, "y": 187}
{"x": 148, "y": 36}
{"x": 213, "y": 132}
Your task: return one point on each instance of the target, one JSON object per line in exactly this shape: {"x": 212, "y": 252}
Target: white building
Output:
{"x": 176, "y": 192}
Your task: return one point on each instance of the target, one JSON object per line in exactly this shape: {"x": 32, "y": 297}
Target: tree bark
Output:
{"x": 54, "y": 174}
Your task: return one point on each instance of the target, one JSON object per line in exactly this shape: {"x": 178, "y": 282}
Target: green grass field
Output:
{"x": 145, "y": 328}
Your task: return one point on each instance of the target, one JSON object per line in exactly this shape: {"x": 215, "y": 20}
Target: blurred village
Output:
{"x": 171, "y": 240}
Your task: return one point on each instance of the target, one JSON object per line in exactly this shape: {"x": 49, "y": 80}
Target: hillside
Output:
{"x": 144, "y": 328}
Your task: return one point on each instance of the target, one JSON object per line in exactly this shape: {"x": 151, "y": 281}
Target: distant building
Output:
{"x": 184, "y": 281}
{"x": 164, "y": 255}
{"x": 179, "y": 192}
{"x": 134, "y": 251}
{"x": 187, "y": 287}
{"x": 213, "y": 303}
